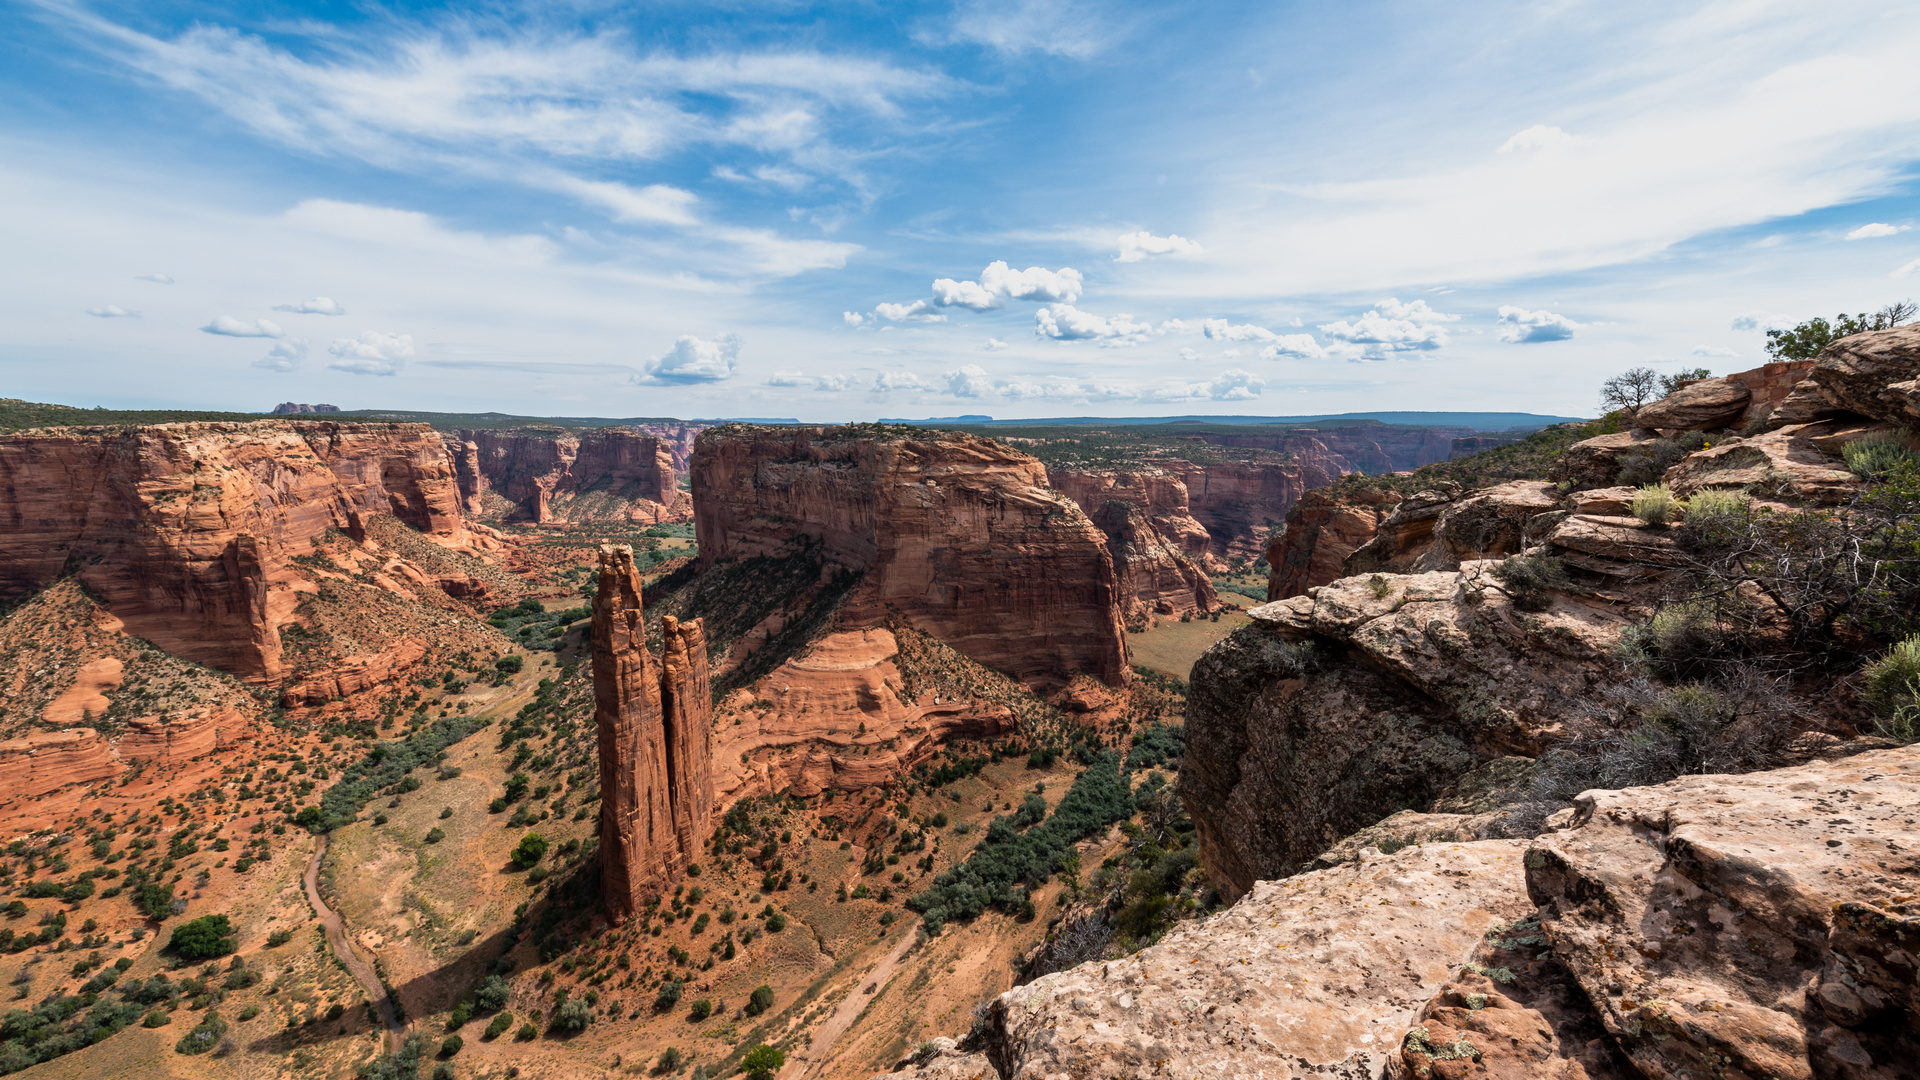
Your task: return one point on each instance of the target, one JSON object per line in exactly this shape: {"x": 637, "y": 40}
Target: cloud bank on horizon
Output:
{"x": 847, "y": 214}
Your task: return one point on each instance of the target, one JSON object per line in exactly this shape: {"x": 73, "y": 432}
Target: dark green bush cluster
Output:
{"x": 1156, "y": 745}
{"x": 54, "y": 1028}
{"x": 203, "y": 938}
{"x": 533, "y": 626}
{"x": 385, "y": 766}
{"x": 1006, "y": 858}
{"x": 957, "y": 769}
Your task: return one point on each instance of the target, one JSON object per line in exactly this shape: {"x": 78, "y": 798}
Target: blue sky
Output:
{"x": 986, "y": 206}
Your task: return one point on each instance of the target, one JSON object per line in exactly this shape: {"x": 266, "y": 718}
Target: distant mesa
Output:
{"x": 289, "y": 407}
{"x": 970, "y": 418}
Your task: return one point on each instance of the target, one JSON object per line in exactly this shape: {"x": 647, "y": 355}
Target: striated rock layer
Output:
{"x": 1155, "y": 542}
{"x": 45, "y": 760}
{"x": 553, "y": 475}
{"x": 655, "y": 722}
{"x": 185, "y": 531}
{"x": 959, "y": 535}
{"x": 1322, "y": 529}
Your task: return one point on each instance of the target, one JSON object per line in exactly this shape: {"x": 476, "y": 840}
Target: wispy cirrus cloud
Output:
{"x": 228, "y": 326}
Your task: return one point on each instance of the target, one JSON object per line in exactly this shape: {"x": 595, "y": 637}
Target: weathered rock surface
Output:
{"x": 837, "y": 721}
{"x": 1763, "y": 923}
{"x": 655, "y": 722}
{"x": 1321, "y": 531}
{"x": 1799, "y": 464}
{"x": 1440, "y": 529}
{"x": 45, "y": 760}
{"x": 355, "y": 674}
{"x": 1333, "y": 710}
{"x": 1156, "y": 544}
{"x": 1875, "y": 374}
{"x": 185, "y": 531}
{"x": 552, "y": 475}
{"x": 1769, "y": 385}
{"x": 959, "y": 535}
{"x": 1241, "y": 502}
{"x": 1702, "y": 405}
{"x": 178, "y": 737}
{"x": 87, "y": 697}
{"x": 1317, "y": 975}
{"x": 1596, "y": 462}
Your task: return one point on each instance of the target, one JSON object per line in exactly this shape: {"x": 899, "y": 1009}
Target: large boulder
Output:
{"x": 1440, "y": 529}
{"x": 1874, "y": 374}
{"x": 1766, "y": 924}
{"x": 1698, "y": 406}
{"x": 1596, "y": 462}
{"x": 1798, "y": 464}
{"x": 1317, "y": 975}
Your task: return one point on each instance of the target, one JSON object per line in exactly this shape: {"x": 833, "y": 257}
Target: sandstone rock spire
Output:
{"x": 655, "y": 721}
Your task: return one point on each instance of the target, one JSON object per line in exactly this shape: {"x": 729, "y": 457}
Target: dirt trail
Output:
{"x": 813, "y": 1060}
{"x": 336, "y": 928}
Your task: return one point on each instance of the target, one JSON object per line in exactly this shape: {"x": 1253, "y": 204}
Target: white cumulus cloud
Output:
{"x": 1519, "y": 326}
{"x": 1135, "y": 246}
{"x": 112, "y": 311}
{"x": 692, "y": 360}
{"x": 969, "y": 381}
{"x": 1064, "y": 322}
{"x": 228, "y": 326}
{"x": 1757, "y": 320}
{"x": 1222, "y": 330}
{"x": 284, "y": 356}
{"x": 967, "y": 294}
{"x": 918, "y": 311}
{"x": 156, "y": 277}
{"x": 888, "y": 381}
{"x": 994, "y": 344}
{"x": 1537, "y": 137}
{"x": 372, "y": 353}
{"x": 1294, "y": 347}
{"x": 1868, "y": 232}
{"x": 1393, "y": 327}
{"x": 999, "y": 283}
{"x": 319, "y": 305}
{"x": 852, "y": 318}
{"x": 1713, "y": 350}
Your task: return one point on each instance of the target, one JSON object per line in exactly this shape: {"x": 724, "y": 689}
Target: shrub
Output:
{"x": 1530, "y": 580}
{"x": 444, "y": 1071}
{"x": 669, "y": 995}
{"x": 511, "y": 665}
{"x": 157, "y": 1018}
{"x": 763, "y": 1062}
{"x": 532, "y": 848}
{"x": 203, "y": 938}
{"x": 1677, "y": 641}
{"x": 1655, "y": 505}
{"x": 491, "y": 994}
{"x": 204, "y": 1036}
{"x": 527, "y": 1031}
{"x": 1877, "y": 453}
{"x": 450, "y": 1046}
{"x": 1893, "y": 691}
{"x": 776, "y": 922}
{"x": 574, "y": 1016}
{"x": 1716, "y": 508}
{"x": 435, "y": 835}
{"x": 249, "y": 1013}
{"x": 499, "y": 1024}
{"x": 279, "y": 938}
{"x": 760, "y": 1000}
{"x": 1156, "y": 745}
{"x": 459, "y": 1016}
{"x": 701, "y": 1010}
{"x": 670, "y": 1059}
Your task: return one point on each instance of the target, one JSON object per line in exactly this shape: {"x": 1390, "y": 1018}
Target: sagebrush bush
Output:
{"x": 1655, "y": 505}
{"x": 1893, "y": 690}
{"x": 1716, "y": 507}
{"x": 1531, "y": 580}
{"x": 1676, "y": 641}
{"x": 1877, "y": 453}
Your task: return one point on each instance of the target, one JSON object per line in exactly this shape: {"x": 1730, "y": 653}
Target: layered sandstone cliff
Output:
{"x": 1156, "y": 544}
{"x": 1322, "y": 529}
{"x": 1241, "y": 502}
{"x": 956, "y": 534}
{"x": 554, "y": 475}
{"x": 1368, "y": 448}
{"x": 43, "y": 761}
{"x": 186, "y": 531}
{"x": 654, "y": 716}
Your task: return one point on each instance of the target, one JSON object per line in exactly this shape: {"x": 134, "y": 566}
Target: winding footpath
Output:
{"x": 814, "y": 1059}
{"x": 336, "y": 929}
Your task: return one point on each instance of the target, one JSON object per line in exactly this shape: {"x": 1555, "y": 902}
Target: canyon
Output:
{"x": 958, "y": 534}
{"x": 554, "y": 475}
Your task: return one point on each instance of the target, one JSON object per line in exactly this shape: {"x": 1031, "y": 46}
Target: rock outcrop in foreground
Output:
{"x": 1734, "y": 927}
{"x": 185, "y": 531}
{"x": 655, "y": 722}
{"x": 958, "y": 535}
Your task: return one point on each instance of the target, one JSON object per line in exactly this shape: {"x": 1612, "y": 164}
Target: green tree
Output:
{"x": 533, "y": 847}
{"x": 760, "y": 1000}
{"x": 203, "y": 938}
{"x": 1805, "y": 341}
{"x": 763, "y": 1061}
